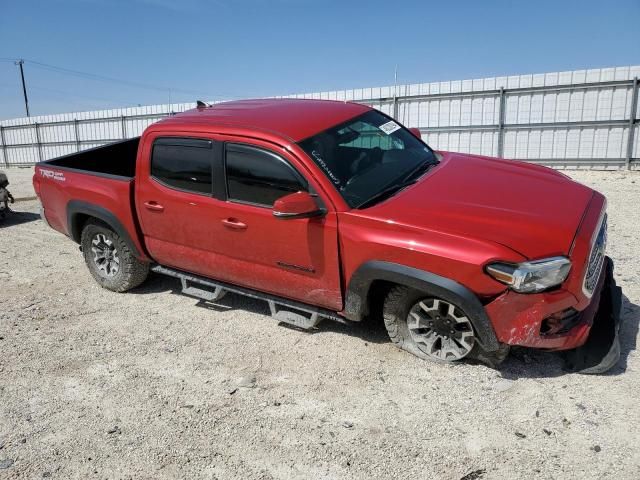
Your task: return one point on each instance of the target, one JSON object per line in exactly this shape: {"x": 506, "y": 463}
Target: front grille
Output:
{"x": 596, "y": 259}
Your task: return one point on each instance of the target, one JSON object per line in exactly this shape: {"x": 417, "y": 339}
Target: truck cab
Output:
{"x": 205, "y": 204}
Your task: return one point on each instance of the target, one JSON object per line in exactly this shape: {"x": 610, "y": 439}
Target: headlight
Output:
{"x": 531, "y": 277}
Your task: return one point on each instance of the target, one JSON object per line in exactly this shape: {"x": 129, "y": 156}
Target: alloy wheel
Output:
{"x": 440, "y": 329}
{"x": 105, "y": 255}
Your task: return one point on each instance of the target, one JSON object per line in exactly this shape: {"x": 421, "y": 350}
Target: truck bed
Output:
{"x": 94, "y": 183}
{"x": 118, "y": 159}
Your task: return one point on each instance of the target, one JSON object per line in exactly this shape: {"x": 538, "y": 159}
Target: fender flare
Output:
{"x": 75, "y": 208}
{"x": 356, "y": 299}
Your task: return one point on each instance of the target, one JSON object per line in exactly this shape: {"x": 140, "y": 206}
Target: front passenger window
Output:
{"x": 259, "y": 177}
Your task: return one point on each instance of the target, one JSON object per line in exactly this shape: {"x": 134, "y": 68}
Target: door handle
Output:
{"x": 234, "y": 223}
{"x": 154, "y": 206}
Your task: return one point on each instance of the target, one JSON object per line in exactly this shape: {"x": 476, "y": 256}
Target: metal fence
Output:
{"x": 584, "y": 118}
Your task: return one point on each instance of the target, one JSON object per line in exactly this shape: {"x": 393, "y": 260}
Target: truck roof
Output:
{"x": 294, "y": 119}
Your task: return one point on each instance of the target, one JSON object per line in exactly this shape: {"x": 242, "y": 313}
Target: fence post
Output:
{"x": 77, "y": 132}
{"x": 632, "y": 123}
{"x": 501, "y": 115}
{"x": 124, "y": 127}
{"x": 38, "y": 143}
{"x": 4, "y": 146}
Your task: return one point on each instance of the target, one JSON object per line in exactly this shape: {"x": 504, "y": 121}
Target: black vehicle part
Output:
{"x": 283, "y": 310}
{"x": 109, "y": 259}
{"x": 601, "y": 351}
{"x": 358, "y": 295}
{"x": 5, "y": 196}
{"x": 78, "y": 213}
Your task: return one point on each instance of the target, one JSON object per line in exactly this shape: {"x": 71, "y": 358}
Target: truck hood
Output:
{"x": 531, "y": 209}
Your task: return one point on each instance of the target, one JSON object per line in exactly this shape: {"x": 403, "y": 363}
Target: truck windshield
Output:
{"x": 369, "y": 158}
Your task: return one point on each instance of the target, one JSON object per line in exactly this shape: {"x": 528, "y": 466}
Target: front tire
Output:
{"x": 109, "y": 259}
{"x": 434, "y": 328}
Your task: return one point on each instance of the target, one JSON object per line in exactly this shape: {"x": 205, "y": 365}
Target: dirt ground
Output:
{"x": 155, "y": 385}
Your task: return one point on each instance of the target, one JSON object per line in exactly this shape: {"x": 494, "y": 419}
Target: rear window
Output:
{"x": 183, "y": 163}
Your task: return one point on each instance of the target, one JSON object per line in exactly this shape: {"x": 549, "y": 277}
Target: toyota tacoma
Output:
{"x": 334, "y": 210}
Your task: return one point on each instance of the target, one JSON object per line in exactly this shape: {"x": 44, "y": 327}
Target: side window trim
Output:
{"x": 192, "y": 142}
{"x": 184, "y": 142}
{"x": 244, "y": 148}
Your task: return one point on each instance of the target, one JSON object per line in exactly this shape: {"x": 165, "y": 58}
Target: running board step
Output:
{"x": 294, "y": 318}
{"x": 208, "y": 295}
{"x": 283, "y": 310}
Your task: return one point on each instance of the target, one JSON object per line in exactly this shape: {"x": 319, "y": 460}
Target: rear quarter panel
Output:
{"x": 56, "y": 187}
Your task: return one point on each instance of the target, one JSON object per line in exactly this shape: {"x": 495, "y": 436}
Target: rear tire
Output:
{"x": 434, "y": 329}
{"x": 109, "y": 259}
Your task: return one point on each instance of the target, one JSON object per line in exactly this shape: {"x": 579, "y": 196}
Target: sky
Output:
{"x": 93, "y": 54}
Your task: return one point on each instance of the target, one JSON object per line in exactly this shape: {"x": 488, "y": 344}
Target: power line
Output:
{"x": 93, "y": 76}
{"x": 102, "y": 78}
{"x": 84, "y": 102}
{"x": 78, "y": 95}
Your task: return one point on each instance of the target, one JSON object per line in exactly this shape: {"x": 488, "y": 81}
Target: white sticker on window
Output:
{"x": 389, "y": 127}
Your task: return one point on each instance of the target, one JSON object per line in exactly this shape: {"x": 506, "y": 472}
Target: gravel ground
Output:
{"x": 153, "y": 384}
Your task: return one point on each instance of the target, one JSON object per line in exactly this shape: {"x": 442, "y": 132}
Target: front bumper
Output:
{"x": 517, "y": 318}
{"x": 601, "y": 351}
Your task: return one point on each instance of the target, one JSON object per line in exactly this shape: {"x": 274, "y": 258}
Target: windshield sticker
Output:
{"x": 325, "y": 167}
{"x": 389, "y": 127}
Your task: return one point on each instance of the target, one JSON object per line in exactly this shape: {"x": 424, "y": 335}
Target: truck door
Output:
{"x": 295, "y": 258}
{"x": 205, "y": 207}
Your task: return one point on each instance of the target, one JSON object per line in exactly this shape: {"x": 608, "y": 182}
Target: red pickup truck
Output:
{"x": 335, "y": 210}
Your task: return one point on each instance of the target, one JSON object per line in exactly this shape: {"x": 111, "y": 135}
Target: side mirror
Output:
{"x": 296, "y": 205}
{"x": 416, "y": 132}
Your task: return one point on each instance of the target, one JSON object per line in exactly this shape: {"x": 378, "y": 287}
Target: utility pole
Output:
{"x": 395, "y": 92}
{"x": 24, "y": 87}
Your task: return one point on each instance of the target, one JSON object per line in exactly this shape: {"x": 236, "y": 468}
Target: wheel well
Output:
{"x": 375, "y": 298}
{"x": 370, "y": 282}
{"x": 79, "y": 213}
{"x": 77, "y": 224}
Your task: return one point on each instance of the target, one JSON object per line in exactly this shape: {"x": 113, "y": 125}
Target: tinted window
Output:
{"x": 369, "y": 137}
{"x": 259, "y": 177}
{"x": 183, "y": 163}
{"x": 367, "y": 156}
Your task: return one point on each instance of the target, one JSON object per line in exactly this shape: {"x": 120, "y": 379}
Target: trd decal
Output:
{"x": 59, "y": 176}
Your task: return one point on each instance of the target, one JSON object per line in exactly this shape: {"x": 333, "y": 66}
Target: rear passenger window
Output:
{"x": 258, "y": 176}
{"x": 183, "y": 163}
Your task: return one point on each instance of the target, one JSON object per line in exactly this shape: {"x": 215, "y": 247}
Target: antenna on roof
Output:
{"x": 201, "y": 104}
